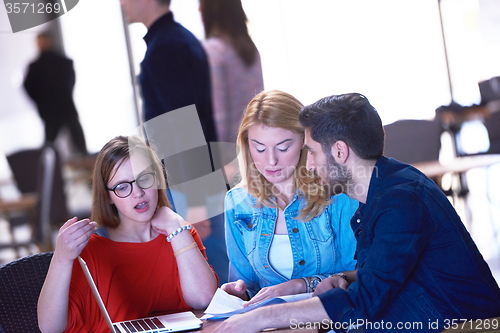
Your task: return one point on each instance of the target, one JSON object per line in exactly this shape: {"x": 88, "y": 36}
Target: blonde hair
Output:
{"x": 275, "y": 108}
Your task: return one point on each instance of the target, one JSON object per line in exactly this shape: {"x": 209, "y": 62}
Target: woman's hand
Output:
{"x": 72, "y": 238}
{"x": 165, "y": 221}
{"x": 53, "y": 300}
{"x": 238, "y": 289}
{"x": 291, "y": 287}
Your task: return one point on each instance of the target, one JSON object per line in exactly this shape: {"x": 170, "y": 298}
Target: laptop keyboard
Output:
{"x": 141, "y": 325}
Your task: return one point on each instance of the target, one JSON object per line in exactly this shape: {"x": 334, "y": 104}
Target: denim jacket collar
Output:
{"x": 290, "y": 209}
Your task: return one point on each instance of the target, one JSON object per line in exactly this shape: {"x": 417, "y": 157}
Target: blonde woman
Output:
{"x": 283, "y": 234}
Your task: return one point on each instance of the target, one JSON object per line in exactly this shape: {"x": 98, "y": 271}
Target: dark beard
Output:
{"x": 339, "y": 177}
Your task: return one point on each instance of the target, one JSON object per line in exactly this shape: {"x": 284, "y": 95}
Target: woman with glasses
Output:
{"x": 145, "y": 259}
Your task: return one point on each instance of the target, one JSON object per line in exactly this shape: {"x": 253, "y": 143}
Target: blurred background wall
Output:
{"x": 392, "y": 51}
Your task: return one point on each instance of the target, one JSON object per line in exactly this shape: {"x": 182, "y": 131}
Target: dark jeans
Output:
{"x": 53, "y": 127}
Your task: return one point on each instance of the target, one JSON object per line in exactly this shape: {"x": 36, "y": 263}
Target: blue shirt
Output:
{"x": 322, "y": 246}
{"x": 416, "y": 261}
{"x": 175, "y": 73}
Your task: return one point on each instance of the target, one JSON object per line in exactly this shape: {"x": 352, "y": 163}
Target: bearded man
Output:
{"x": 418, "y": 268}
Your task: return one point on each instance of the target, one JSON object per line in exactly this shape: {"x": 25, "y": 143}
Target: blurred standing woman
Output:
{"x": 283, "y": 234}
{"x": 236, "y": 77}
{"x": 235, "y": 65}
{"x": 137, "y": 269}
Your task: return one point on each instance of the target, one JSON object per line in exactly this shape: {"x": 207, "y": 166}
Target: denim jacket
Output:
{"x": 322, "y": 246}
{"x": 418, "y": 267}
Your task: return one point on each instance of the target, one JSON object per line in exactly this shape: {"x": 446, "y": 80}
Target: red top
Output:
{"x": 135, "y": 280}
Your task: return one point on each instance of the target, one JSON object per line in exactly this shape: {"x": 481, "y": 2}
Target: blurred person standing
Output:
{"x": 174, "y": 72}
{"x": 49, "y": 82}
{"x": 235, "y": 65}
{"x": 236, "y": 77}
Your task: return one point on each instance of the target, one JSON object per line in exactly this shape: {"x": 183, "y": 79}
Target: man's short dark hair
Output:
{"x": 348, "y": 117}
{"x": 164, "y": 2}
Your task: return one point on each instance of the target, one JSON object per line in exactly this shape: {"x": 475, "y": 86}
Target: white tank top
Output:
{"x": 281, "y": 256}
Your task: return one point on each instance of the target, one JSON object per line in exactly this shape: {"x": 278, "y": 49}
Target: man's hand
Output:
{"x": 276, "y": 316}
{"x": 242, "y": 323}
{"x": 330, "y": 283}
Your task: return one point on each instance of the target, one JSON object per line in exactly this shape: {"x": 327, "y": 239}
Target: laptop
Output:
{"x": 167, "y": 323}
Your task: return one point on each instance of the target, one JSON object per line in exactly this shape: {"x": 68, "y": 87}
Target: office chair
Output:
{"x": 492, "y": 124}
{"x": 39, "y": 171}
{"x": 413, "y": 141}
{"x": 20, "y": 284}
{"x": 490, "y": 96}
{"x": 23, "y": 165}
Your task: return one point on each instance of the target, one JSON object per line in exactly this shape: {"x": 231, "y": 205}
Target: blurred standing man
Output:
{"x": 174, "y": 72}
{"x": 418, "y": 269}
{"x": 49, "y": 82}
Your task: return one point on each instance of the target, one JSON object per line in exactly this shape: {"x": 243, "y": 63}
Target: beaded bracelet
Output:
{"x": 178, "y": 231}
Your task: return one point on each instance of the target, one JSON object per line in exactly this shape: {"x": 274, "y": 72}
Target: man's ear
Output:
{"x": 340, "y": 151}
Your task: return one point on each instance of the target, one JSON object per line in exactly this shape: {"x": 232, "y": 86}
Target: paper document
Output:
{"x": 222, "y": 302}
{"x": 224, "y": 305}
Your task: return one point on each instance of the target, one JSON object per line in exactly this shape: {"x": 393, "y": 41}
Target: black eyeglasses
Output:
{"x": 145, "y": 181}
